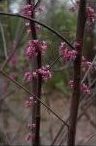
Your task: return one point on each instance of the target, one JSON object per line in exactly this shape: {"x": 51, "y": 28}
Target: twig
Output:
{"x": 4, "y": 41}
{"x": 15, "y": 47}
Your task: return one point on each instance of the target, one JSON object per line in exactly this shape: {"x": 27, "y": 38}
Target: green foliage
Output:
{"x": 59, "y": 82}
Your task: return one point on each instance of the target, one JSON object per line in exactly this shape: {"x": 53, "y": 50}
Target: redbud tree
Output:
{"x": 36, "y": 49}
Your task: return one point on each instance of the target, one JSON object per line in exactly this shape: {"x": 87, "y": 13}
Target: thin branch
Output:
{"x": 15, "y": 47}
{"x": 90, "y": 139}
{"x": 4, "y": 40}
{"x": 90, "y": 121}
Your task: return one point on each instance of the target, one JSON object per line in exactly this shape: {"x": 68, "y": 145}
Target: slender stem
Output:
{"x": 14, "y": 47}
{"x": 4, "y": 41}
{"x": 77, "y": 74}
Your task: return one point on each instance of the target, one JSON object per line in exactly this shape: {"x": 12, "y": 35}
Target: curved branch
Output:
{"x": 42, "y": 24}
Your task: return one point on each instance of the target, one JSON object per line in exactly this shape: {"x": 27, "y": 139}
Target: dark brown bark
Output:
{"x": 36, "y": 85}
{"x": 77, "y": 74}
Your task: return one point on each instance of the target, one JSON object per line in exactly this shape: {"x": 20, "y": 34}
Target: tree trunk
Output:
{"x": 36, "y": 86}
{"x": 77, "y": 74}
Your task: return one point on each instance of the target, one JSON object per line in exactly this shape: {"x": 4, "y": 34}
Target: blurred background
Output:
{"x": 62, "y": 16}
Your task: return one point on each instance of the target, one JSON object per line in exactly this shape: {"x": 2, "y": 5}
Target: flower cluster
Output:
{"x": 84, "y": 88}
{"x": 43, "y": 71}
{"x": 34, "y": 46}
{"x": 28, "y": 76}
{"x": 71, "y": 84}
{"x": 31, "y": 126}
{"x": 27, "y": 10}
{"x": 29, "y": 102}
{"x": 90, "y": 15}
{"x": 67, "y": 55}
{"x": 85, "y": 64}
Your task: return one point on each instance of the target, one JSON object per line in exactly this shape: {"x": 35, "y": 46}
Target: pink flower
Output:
{"x": 43, "y": 47}
{"x": 29, "y": 102}
{"x": 84, "y": 88}
{"x": 86, "y": 64}
{"x": 31, "y": 126}
{"x": 34, "y": 46}
{"x": 71, "y": 84}
{"x": 34, "y": 74}
{"x": 67, "y": 55}
{"x": 45, "y": 72}
{"x": 28, "y": 76}
{"x": 31, "y": 49}
{"x": 27, "y": 10}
